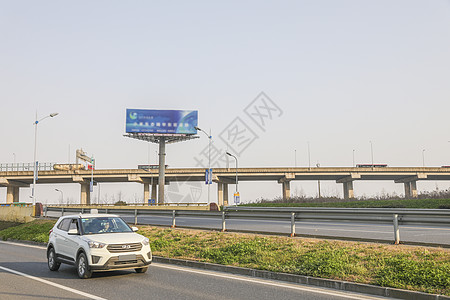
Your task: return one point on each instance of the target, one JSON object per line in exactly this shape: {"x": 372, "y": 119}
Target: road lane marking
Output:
{"x": 23, "y": 245}
{"x": 281, "y": 285}
{"x": 53, "y": 284}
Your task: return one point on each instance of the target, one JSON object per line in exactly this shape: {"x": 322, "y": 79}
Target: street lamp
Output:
{"x": 229, "y": 154}
{"x": 318, "y": 181}
{"x": 423, "y": 157}
{"x": 371, "y": 151}
{"x": 209, "y": 160}
{"x": 309, "y": 158}
{"x": 35, "y": 173}
{"x": 295, "y": 157}
{"x": 62, "y": 195}
{"x": 353, "y": 158}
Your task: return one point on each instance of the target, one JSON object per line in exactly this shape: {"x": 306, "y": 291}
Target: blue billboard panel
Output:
{"x": 161, "y": 121}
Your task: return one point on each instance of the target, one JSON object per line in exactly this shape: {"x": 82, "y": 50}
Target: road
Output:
{"x": 24, "y": 275}
{"x": 426, "y": 234}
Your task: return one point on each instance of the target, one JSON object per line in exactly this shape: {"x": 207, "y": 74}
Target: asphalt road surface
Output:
{"x": 351, "y": 230}
{"x": 24, "y": 275}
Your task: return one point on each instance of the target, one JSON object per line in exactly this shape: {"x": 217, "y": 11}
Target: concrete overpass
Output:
{"x": 408, "y": 176}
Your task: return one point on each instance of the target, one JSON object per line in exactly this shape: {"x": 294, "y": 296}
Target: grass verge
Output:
{"x": 399, "y": 203}
{"x": 36, "y": 231}
{"x": 406, "y": 267}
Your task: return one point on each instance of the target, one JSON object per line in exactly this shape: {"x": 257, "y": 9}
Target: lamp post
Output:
{"x": 423, "y": 157}
{"x": 98, "y": 192}
{"x": 318, "y": 181}
{"x": 295, "y": 158}
{"x": 309, "y": 158}
{"x": 229, "y": 154}
{"x": 353, "y": 158}
{"x": 62, "y": 195}
{"x": 35, "y": 173}
{"x": 209, "y": 161}
{"x": 371, "y": 151}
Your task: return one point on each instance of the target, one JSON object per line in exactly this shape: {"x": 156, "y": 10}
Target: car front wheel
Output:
{"x": 141, "y": 270}
{"x": 83, "y": 267}
{"x": 53, "y": 265}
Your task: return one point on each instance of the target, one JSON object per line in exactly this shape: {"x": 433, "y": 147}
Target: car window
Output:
{"x": 100, "y": 225}
{"x": 74, "y": 224}
{"x": 64, "y": 225}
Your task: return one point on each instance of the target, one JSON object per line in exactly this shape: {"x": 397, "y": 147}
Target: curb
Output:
{"x": 326, "y": 283}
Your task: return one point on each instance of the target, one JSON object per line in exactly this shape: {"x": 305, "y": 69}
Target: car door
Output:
{"x": 73, "y": 240}
{"x": 61, "y": 236}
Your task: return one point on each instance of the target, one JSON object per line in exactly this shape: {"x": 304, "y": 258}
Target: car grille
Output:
{"x": 127, "y": 262}
{"x": 119, "y": 248}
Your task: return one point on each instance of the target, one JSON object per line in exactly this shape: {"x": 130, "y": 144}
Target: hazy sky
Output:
{"x": 341, "y": 73}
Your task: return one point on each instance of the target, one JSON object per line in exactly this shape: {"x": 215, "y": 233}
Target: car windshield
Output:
{"x": 100, "y": 225}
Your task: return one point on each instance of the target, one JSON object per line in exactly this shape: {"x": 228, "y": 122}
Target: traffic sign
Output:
{"x": 237, "y": 198}
{"x": 208, "y": 176}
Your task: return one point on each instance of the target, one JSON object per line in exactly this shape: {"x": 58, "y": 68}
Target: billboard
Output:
{"x": 161, "y": 121}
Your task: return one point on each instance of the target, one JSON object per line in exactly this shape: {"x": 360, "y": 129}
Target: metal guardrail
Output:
{"x": 396, "y": 217}
{"x": 196, "y": 204}
{"x": 25, "y": 167}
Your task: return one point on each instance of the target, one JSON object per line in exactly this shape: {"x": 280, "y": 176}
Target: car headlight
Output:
{"x": 145, "y": 242}
{"x": 96, "y": 244}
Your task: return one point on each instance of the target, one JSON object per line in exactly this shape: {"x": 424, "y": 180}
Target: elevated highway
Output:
{"x": 408, "y": 176}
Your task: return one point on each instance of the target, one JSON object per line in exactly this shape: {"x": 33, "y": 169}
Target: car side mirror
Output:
{"x": 134, "y": 228}
{"x": 73, "y": 231}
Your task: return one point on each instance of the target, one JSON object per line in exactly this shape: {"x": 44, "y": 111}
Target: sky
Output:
{"x": 335, "y": 75}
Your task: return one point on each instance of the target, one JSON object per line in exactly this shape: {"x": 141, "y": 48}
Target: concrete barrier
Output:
{"x": 17, "y": 213}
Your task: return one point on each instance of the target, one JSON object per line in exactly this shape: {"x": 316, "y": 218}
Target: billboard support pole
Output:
{"x": 162, "y": 166}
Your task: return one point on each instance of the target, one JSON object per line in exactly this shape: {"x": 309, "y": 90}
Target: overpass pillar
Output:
{"x": 286, "y": 185}
{"x": 414, "y": 189}
{"x": 348, "y": 190}
{"x": 225, "y": 194}
{"x": 85, "y": 194}
{"x": 12, "y": 194}
{"x": 286, "y": 189}
{"x": 407, "y": 189}
{"x": 162, "y": 170}
{"x": 146, "y": 192}
{"x": 154, "y": 187}
{"x": 410, "y": 189}
{"x": 220, "y": 194}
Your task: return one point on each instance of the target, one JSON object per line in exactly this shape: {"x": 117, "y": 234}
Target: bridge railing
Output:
{"x": 396, "y": 217}
{"x": 196, "y": 204}
{"x": 5, "y": 167}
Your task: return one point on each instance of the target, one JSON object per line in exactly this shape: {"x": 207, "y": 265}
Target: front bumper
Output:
{"x": 114, "y": 263}
{"x": 103, "y": 260}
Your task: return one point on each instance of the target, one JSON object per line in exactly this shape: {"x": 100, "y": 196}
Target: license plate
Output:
{"x": 127, "y": 257}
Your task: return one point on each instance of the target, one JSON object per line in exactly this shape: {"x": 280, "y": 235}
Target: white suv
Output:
{"x": 97, "y": 242}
